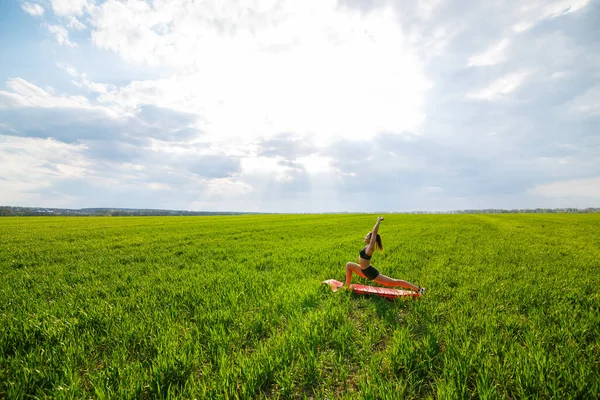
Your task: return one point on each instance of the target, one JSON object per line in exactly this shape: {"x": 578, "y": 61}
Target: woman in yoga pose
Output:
{"x": 366, "y": 270}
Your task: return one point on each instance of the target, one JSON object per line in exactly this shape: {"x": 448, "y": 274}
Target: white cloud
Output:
{"x": 74, "y": 23}
{"x": 433, "y": 189}
{"x": 227, "y": 187}
{"x": 65, "y": 8}
{"x": 349, "y": 75}
{"x": 95, "y": 87}
{"x": 587, "y": 103}
{"x": 31, "y": 164}
{"x": 33, "y": 9}
{"x": 493, "y": 55}
{"x": 61, "y": 34}
{"x": 316, "y": 164}
{"x": 26, "y": 94}
{"x": 571, "y": 188}
{"x": 534, "y": 11}
{"x": 560, "y": 74}
{"x": 72, "y": 71}
{"x": 84, "y": 82}
{"x": 500, "y": 87}
{"x": 158, "y": 186}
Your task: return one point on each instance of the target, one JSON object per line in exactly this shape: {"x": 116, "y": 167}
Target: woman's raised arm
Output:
{"x": 371, "y": 246}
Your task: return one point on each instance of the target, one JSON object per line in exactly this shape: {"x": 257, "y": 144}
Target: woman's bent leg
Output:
{"x": 387, "y": 281}
{"x": 350, "y": 268}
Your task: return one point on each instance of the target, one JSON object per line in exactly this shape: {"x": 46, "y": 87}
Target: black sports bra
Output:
{"x": 363, "y": 254}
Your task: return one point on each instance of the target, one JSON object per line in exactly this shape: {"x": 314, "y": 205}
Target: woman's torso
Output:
{"x": 364, "y": 259}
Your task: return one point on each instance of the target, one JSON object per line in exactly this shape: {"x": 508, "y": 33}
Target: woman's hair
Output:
{"x": 377, "y": 240}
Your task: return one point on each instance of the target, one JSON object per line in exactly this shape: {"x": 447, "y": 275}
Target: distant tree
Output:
{"x": 6, "y": 212}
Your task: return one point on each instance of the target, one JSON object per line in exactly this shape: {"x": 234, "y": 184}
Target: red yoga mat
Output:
{"x": 374, "y": 290}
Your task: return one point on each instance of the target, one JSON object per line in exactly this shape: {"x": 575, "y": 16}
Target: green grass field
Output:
{"x": 232, "y": 307}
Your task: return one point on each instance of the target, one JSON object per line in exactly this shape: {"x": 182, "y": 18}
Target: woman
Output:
{"x": 366, "y": 270}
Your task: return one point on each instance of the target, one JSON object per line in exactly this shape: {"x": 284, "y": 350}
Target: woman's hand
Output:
{"x": 379, "y": 218}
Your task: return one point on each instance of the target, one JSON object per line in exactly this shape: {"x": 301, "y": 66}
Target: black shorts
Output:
{"x": 370, "y": 272}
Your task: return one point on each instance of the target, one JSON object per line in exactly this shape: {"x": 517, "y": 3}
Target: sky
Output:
{"x": 300, "y": 106}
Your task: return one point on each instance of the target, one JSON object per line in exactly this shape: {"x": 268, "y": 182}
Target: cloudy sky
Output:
{"x": 300, "y": 106}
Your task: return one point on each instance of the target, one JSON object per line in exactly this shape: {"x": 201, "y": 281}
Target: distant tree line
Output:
{"x": 108, "y": 212}
{"x": 130, "y": 212}
{"x": 527, "y": 211}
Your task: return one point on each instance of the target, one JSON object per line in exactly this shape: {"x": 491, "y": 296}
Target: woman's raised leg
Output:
{"x": 387, "y": 281}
